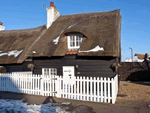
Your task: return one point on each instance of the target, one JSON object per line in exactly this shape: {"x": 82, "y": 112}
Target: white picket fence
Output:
{"x": 22, "y": 72}
{"x": 81, "y": 88}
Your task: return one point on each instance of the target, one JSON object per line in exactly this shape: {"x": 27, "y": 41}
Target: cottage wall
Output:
{"x": 17, "y": 67}
{"x": 87, "y": 66}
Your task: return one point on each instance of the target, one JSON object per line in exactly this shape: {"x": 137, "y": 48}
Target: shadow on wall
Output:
{"x": 136, "y": 71}
{"x": 139, "y": 76}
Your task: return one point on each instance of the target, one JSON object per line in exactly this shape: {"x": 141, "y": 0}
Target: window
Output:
{"x": 74, "y": 41}
{"x": 49, "y": 71}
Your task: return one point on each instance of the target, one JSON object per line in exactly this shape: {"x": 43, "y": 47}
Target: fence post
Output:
{"x": 105, "y": 90}
{"x": 113, "y": 90}
{"x": 57, "y": 86}
{"x": 117, "y": 83}
{"x": 101, "y": 90}
{"x": 108, "y": 90}
{"x": 42, "y": 85}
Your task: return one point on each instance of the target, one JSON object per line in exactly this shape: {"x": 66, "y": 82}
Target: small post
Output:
{"x": 132, "y": 58}
{"x": 41, "y": 79}
{"x": 131, "y": 53}
{"x": 117, "y": 83}
{"x": 113, "y": 91}
{"x": 57, "y": 86}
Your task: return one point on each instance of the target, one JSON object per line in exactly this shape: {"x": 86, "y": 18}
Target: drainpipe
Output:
{"x": 117, "y": 62}
{"x": 131, "y": 66}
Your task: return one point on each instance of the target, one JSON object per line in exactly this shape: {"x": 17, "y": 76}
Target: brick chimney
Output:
{"x": 52, "y": 4}
{"x": 1, "y": 27}
{"x": 52, "y": 14}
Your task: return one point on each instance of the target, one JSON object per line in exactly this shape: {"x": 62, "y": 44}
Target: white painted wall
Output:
{"x": 135, "y": 59}
{"x": 2, "y": 28}
{"x": 52, "y": 15}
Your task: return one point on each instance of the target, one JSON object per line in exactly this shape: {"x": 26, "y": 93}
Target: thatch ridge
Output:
{"x": 91, "y": 13}
{"x": 23, "y": 30}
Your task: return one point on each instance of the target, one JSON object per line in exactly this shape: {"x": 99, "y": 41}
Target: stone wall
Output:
{"x": 134, "y": 71}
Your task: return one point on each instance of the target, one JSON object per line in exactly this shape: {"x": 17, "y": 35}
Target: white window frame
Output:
{"x": 49, "y": 71}
{"x": 75, "y": 42}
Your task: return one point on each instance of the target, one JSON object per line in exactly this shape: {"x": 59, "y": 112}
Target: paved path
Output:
{"x": 121, "y": 106}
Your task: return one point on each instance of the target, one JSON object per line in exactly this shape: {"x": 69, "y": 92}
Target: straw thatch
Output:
{"x": 12, "y": 41}
{"x": 101, "y": 28}
{"x": 141, "y": 56}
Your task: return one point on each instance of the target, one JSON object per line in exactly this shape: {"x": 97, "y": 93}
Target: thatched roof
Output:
{"x": 141, "y": 56}
{"x": 101, "y": 28}
{"x": 15, "y": 44}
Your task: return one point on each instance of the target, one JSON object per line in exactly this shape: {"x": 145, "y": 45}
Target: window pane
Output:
{"x": 77, "y": 40}
{"x": 50, "y": 71}
{"x": 80, "y": 40}
{"x": 70, "y": 44}
{"x": 71, "y": 38}
{"x": 46, "y": 72}
{"x": 73, "y": 44}
{"x": 77, "y": 43}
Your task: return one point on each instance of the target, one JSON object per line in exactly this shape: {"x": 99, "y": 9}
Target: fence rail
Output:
{"x": 22, "y": 72}
{"x": 96, "y": 89}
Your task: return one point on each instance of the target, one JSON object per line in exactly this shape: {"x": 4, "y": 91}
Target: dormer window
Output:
{"x": 74, "y": 41}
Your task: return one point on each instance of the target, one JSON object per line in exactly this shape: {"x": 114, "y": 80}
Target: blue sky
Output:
{"x": 135, "y": 26}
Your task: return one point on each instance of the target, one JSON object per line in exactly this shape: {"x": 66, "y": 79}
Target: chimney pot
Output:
{"x": 1, "y": 23}
{"x": 52, "y": 4}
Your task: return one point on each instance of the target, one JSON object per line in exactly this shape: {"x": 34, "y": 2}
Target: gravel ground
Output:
{"x": 134, "y": 94}
{"x": 133, "y": 97}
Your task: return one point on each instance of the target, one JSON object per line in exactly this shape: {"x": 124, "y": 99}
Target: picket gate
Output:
{"x": 97, "y": 89}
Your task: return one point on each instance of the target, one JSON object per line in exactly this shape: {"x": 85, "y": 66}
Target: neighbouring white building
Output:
{"x": 128, "y": 60}
{"x": 1, "y": 26}
{"x": 135, "y": 59}
{"x": 141, "y": 57}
